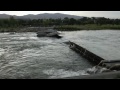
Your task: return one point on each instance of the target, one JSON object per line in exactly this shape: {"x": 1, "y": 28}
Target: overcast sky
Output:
{"x": 107, "y": 14}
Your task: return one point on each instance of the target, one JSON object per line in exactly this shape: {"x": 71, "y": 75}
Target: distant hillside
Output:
{"x": 42, "y": 16}
{"x": 4, "y": 16}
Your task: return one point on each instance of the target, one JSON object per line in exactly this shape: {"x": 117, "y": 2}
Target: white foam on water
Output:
{"x": 22, "y": 38}
{"x": 2, "y": 51}
{"x": 29, "y": 53}
{"x": 96, "y": 69}
{"x": 33, "y": 38}
{"x": 61, "y": 73}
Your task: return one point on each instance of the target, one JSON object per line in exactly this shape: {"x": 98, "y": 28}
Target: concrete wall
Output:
{"x": 110, "y": 64}
{"x": 85, "y": 53}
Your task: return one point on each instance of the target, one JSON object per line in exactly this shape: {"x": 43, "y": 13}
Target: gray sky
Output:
{"x": 107, "y": 14}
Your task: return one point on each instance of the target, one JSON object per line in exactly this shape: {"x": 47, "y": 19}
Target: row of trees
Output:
{"x": 12, "y": 22}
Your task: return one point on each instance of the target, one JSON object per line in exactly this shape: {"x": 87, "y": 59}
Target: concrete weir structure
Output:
{"x": 112, "y": 65}
{"x": 85, "y": 53}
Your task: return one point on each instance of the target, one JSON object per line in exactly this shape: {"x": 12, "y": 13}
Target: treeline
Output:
{"x": 12, "y": 22}
{"x": 87, "y": 27}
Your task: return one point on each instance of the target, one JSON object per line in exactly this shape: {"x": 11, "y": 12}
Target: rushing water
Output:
{"x": 23, "y": 55}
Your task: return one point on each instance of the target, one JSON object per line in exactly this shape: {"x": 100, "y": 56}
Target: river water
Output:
{"x": 104, "y": 43}
{"x": 25, "y": 56}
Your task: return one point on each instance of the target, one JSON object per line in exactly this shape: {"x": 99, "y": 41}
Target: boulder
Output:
{"x": 48, "y": 33}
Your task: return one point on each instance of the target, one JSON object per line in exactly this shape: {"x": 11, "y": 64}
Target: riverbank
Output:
{"x": 62, "y": 28}
{"x": 23, "y": 29}
{"x": 86, "y": 27}
{"x": 17, "y": 29}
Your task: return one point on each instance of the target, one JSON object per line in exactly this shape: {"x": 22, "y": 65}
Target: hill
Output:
{"x": 41, "y": 16}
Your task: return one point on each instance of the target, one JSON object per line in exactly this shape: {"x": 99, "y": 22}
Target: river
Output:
{"x": 25, "y": 56}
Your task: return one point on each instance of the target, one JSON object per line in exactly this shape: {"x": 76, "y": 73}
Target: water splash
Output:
{"x": 61, "y": 73}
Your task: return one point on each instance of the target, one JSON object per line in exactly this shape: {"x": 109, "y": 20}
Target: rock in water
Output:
{"x": 115, "y": 67}
{"x": 48, "y": 33}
